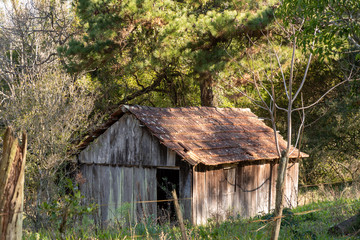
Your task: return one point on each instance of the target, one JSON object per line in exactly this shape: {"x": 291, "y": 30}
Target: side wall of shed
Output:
{"x": 239, "y": 190}
{"x": 120, "y": 169}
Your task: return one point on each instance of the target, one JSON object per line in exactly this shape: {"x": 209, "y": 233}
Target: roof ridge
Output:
{"x": 174, "y": 127}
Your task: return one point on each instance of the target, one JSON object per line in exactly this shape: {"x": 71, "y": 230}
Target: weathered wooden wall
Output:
{"x": 127, "y": 143}
{"x": 120, "y": 167}
{"x": 119, "y": 191}
{"x": 244, "y": 190}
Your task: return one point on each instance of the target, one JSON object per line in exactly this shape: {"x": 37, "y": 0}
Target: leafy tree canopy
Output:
{"x": 164, "y": 49}
{"x": 336, "y": 24}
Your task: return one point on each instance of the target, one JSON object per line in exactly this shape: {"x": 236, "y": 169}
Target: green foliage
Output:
{"x": 162, "y": 50}
{"x": 332, "y": 138}
{"x": 69, "y": 209}
{"x": 335, "y": 23}
{"x": 123, "y": 217}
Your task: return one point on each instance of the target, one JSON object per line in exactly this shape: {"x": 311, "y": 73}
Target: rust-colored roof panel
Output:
{"x": 206, "y": 135}
{"x": 210, "y": 135}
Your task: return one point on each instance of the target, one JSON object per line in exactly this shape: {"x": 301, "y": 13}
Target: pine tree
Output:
{"x": 173, "y": 48}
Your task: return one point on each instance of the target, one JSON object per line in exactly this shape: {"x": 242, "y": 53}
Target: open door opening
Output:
{"x": 167, "y": 180}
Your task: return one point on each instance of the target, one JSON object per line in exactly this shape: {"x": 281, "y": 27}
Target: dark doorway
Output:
{"x": 167, "y": 180}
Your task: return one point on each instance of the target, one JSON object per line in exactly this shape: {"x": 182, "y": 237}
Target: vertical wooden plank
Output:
{"x": 85, "y": 186}
{"x": 96, "y": 193}
{"x": 212, "y": 181}
{"x": 273, "y": 184}
{"x": 113, "y": 193}
{"x": 145, "y": 197}
{"x": 227, "y": 187}
{"x": 201, "y": 196}
{"x": 270, "y": 196}
{"x": 155, "y": 152}
{"x": 153, "y": 192}
{"x": 149, "y": 192}
{"x": 239, "y": 193}
{"x": 296, "y": 184}
{"x": 222, "y": 194}
{"x": 260, "y": 181}
{"x": 120, "y": 182}
{"x": 185, "y": 189}
{"x": 145, "y": 149}
{"x": 137, "y": 178}
{"x": 231, "y": 191}
{"x": 128, "y": 191}
{"x": 130, "y": 141}
{"x": 263, "y": 188}
{"x": 114, "y": 199}
{"x": 171, "y": 156}
{"x": 194, "y": 196}
{"x": 104, "y": 193}
{"x": 254, "y": 189}
{"x": 246, "y": 188}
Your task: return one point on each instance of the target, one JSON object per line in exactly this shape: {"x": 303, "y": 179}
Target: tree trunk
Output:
{"x": 279, "y": 195}
{"x": 207, "y": 86}
{"x": 12, "y": 168}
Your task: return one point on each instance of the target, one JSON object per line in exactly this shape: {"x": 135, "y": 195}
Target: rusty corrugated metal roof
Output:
{"x": 207, "y": 135}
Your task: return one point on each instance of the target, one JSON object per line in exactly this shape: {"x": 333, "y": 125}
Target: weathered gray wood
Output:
{"x": 127, "y": 143}
{"x": 254, "y": 188}
{"x": 145, "y": 148}
{"x": 114, "y": 194}
{"x": 200, "y": 196}
{"x": 128, "y": 197}
{"x": 212, "y": 193}
{"x": 104, "y": 193}
{"x": 95, "y": 193}
{"x": 249, "y": 195}
{"x": 262, "y": 192}
{"x": 150, "y": 192}
{"x": 171, "y": 156}
{"x": 246, "y": 188}
{"x": 140, "y": 210}
{"x": 121, "y": 186}
{"x": 273, "y": 184}
{"x": 239, "y": 193}
{"x": 129, "y": 148}
{"x": 194, "y": 196}
{"x": 85, "y": 186}
{"x": 185, "y": 186}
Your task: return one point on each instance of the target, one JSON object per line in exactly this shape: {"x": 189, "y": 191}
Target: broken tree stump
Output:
{"x": 349, "y": 226}
{"x": 12, "y": 166}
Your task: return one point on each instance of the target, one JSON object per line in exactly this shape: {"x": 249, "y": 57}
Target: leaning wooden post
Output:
{"x": 179, "y": 216}
{"x": 12, "y": 166}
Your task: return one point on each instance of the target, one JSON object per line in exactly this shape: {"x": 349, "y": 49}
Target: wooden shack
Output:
{"x": 222, "y": 161}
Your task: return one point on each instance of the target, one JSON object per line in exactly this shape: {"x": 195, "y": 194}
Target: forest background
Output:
{"x": 67, "y": 65}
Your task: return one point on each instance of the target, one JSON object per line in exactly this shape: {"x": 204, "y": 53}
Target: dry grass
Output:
{"x": 322, "y": 193}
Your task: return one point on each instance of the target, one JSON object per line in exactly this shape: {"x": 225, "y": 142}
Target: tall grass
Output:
{"x": 325, "y": 207}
